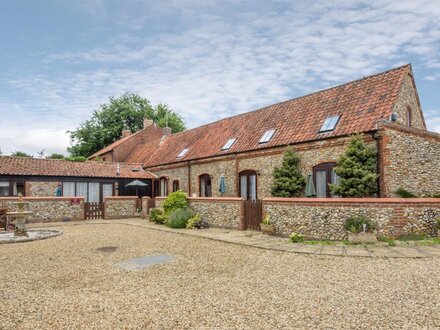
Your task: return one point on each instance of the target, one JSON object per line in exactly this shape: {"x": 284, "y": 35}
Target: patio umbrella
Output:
{"x": 310, "y": 187}
{"x": 222, "y": 185}
{"x": 136, "y": 183}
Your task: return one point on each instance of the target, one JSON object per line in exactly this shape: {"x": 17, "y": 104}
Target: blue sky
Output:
{"x": 206, "y": 59}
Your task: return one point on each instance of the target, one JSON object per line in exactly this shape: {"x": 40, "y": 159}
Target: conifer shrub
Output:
{"x": 357, "y": 169}
{"x": 288, "y": 180}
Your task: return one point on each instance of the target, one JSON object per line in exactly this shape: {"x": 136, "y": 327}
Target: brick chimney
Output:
{"x": 147, "y": 122}
{"x": 126, "y": 132}
{"x": 166, "y": 133}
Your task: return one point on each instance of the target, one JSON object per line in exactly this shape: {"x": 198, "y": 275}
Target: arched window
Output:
{"x": 176, "y": 185}
{"x": 323, "y": 175}
{"x": 408, "y": 117}
{"x": 205, "y": 185}
{"x": 163, "y": 186}
{"x": 248, "y": 185}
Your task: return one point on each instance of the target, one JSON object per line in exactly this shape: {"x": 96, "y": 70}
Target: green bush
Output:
{"x": 157, "y": 215}
{"x": 192, "y": 222}
{"x": 174, "y": 201}
{"x": 403, "y": 193}
{"x": 296, "y": 238}
{"x": 179, "y": 218}
{"x": 355, "y": 224}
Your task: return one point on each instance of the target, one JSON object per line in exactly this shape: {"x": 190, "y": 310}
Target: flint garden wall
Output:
{"x": 324, "y": 218}
{"x": 119, "y": 207}
{"x": 48, "y": 209}
{"x": 226, "y": 212}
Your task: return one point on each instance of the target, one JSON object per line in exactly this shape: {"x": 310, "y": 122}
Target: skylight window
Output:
{"x": 267, "y": 136}
{"x": 183, "y": 153}
{"x": 229, "y": 144}
{"x": 329, "y": 124}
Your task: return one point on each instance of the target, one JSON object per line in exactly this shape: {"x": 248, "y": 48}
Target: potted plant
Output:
{"x": 266, "y": 226}
{"x": 360, "y": 230}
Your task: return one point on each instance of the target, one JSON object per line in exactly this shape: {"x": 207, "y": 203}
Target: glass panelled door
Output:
{"x": 321, "y": 183}
{"x": 248, "y": 185}
{"x": 93, "y": 192}
{"x": 205, "y": 186}
{"x": 323, "y": 175}
{"x": 107, "y": 190}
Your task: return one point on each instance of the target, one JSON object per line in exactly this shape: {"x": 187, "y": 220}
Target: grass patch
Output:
{"x": 387, "y": 240}
{"x": 412, "y": 237}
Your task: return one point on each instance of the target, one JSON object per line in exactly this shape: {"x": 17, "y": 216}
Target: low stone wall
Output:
{"x": 117, "y": 207}
{"x": 226, "y": 212}
{"x": 324, "y": 218}
{"x": 48, "y": 209}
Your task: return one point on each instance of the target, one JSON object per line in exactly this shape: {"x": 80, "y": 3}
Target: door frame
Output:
{"x": 327, "y": 167}
{"x": 248, "y": 173}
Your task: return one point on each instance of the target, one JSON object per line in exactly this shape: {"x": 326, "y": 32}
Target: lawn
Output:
{"x": 65, "y": 282}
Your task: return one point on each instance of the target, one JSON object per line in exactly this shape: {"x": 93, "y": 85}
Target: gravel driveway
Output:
{"x": 65, "y": 282}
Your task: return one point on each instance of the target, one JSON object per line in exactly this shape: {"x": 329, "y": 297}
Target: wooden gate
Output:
{"x": 94, "y": 210}
{"x": 151, "y": 204}
{"x": 253, "y": 214}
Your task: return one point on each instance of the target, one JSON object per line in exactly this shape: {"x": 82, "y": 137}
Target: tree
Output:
{"x": 288, "y": 179}
{"x": 55, "y": 156}
{"x": 20, "y": 154}
{"x": 126, "y": 112}
{"x": 357, "y": 170}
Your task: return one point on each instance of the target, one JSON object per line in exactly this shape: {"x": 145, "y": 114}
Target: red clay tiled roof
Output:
{"x": 150, "y": 133}
{"x": 55, "y": 167}
{"x": 360, "y": 103}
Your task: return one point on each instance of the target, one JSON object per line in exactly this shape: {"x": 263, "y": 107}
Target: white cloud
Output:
{"x": 224, "y": 61}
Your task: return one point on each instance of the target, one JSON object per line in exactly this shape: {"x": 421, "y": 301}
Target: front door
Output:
{"x": 248, "y": 185}
{"x": 324, "y": 175}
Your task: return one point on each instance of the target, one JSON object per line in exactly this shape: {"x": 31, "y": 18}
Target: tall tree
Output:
{"x": 125, "y": 112}
{"x": 357, "y": 170}
{"x": 55, "y": 156}
{"x": 288, "y": 180}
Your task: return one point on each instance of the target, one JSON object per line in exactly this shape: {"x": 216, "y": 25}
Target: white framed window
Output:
{"x": 182, "y": 153}
{"x": 229, "y": 144}
{"x": 329, "y": 123}
{"x": 267, "y": 136}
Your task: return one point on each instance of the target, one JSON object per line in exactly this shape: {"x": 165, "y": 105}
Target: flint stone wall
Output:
{"x": 223, "y": 212}
{"x": 118, "y": 207}
{"x": 324, "y": 218}
{"x": 47, "y": 209}
{"x": 411, "y": 160}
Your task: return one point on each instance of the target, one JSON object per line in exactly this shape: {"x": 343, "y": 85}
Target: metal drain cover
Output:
{"x": 107, "y": 249}
{"x": 143, "y": 262}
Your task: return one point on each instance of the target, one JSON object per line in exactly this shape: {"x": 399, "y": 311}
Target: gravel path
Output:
{"x": 65, "y": 282}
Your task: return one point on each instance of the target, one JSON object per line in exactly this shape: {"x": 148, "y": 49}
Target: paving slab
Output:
{"x": 332, "y": 250}
{"x": 144, "y": 262}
